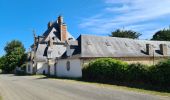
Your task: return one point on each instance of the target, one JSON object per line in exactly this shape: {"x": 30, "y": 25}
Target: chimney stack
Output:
{"x": 163, "y": 49}
{"x": 149, "y": 49}
{"x": 63, "y": 29}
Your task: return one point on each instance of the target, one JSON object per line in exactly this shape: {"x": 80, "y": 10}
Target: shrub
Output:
{"x": 137, "y": 72}
{"x": 160, "y": 73}
{"x": 109, "y": 70}
{"x": 105, "y": 69}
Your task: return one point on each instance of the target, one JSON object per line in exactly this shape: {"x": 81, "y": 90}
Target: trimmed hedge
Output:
{"x": 111, "y": 70}
{"x": 105, "y": 69}
{"x": 137, "y": 73}
{"x": 160, "y": 73}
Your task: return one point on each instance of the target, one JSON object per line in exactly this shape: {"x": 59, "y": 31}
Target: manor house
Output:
{"x": 58, "y": 53}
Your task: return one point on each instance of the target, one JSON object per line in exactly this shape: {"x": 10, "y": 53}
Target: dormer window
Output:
{"x": 126, "y": 45}
{"x": 108, "y": 43}
{"x": 89, "y": 43}
{"x": 53, "y": 38}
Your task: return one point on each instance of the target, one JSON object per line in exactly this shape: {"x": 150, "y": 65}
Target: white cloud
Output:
{"x": 117, "y": 1}
{"x": 125, "y": 13}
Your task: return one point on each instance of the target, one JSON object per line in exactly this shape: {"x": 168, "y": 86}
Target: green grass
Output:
{"x": 0, "y": 98}
{"x": 113, "y": 86}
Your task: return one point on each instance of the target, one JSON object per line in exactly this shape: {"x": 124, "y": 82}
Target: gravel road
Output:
{"x": 34, "y": 88}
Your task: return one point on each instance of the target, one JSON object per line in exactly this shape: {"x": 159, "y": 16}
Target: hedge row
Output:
{"x": 111, "y": 70}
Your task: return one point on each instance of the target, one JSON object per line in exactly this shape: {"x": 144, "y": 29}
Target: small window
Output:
{"x": 53, "y": 38}
{"x": 89, "y": 43}
{"x": 29, "y": 67}
{"x": 126, "y": 45}
{"x": 68, "y": 65}
{"x": 108, "y": 43}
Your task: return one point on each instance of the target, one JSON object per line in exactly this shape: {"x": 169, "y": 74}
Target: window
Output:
{"x": 29, "y": 67}
{"x": 108, "y": 43}
{"x": 68, "y": 65}
{"x": 126, "y": 45}
{"x": 89, "y": 43}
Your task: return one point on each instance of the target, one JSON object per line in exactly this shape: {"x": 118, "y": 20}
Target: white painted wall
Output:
{"x": 75, "y": 68}
{"x": 42, "y": 66}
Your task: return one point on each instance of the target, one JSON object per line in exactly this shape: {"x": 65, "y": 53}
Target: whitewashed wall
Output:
{"x": 75, "y": 68}
{"x": 42, "y": 66}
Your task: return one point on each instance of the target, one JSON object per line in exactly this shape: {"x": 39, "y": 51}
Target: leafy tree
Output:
{"x": 11, "y": 46}
{"x": 125, "y": 34}
{"x": 15, "y": 55}
{"x": 2, "y": 62}
{"x": 162, "y": 35}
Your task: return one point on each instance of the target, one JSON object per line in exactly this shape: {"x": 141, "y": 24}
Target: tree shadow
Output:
{"x": 135, "y": 85}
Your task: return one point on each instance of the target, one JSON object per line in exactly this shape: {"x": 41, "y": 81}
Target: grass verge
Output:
{"x": 101, "y": 85}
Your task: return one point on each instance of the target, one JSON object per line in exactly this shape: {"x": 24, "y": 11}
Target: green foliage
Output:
{"x": 137, "y": 72}
{"x": 111, "y": 70}
{"x": 11, "y": 46}
{"x": 3, "y": 62}
{"x": 125, "y": 34}
{"x": 160, "y": 73}
{"x": 162, "y": 35}
{"x": 104, "y": 69}
{"x": 15, "y": 56}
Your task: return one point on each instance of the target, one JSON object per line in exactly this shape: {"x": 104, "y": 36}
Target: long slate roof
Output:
{"x": 104, "y": 46}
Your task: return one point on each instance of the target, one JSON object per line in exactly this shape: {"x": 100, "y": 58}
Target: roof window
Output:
{"x": 108, "y": 43}
{"x": 89, "y": 43}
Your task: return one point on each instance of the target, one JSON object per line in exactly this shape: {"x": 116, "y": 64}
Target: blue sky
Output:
{"x": 19, "y": 17}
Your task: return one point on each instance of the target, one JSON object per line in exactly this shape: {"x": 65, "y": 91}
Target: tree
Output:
{"x": 162, "y": 35}
{"x": 125, "y": 34}
{"x": 11, "y": 46}
{"x": 2, "y": 62}
{"x": 15, "y": 55}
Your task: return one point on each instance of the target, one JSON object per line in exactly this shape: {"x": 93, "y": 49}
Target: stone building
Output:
{"x": 48, "y": 47}
{"x": 58, "y": 53}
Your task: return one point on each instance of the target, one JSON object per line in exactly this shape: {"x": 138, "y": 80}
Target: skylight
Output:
{"x": 108, "y": 43}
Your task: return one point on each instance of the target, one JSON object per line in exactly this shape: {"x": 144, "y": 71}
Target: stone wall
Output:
{"x": 130, "y": 60}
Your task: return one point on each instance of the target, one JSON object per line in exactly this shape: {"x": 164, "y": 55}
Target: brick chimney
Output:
{"x": 149, "y": 49}
{"x": 63, "y": 29}
{"x": 163, "y": 49}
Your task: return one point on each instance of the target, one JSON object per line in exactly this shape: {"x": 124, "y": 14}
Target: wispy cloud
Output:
{"x": 139, "y": 15}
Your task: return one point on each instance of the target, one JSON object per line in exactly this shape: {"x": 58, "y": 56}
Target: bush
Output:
{"x": 160, "y": 73}
{"x": 105, "y": 69}
{"x": 111, "y": 70}
{"x": 137, "y": 72}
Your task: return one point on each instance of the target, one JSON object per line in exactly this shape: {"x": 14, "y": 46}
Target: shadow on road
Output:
{"x": 135, "y": 85}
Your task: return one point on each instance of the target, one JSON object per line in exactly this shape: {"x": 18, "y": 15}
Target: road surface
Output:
{"x": 34, "y": 88}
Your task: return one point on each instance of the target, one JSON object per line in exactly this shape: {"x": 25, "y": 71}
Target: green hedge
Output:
{"x": 160, "y": 73}
{"x": 137, "y": 73}
{"x": 110, "y": 70}
{"x": 105, "y": 69}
